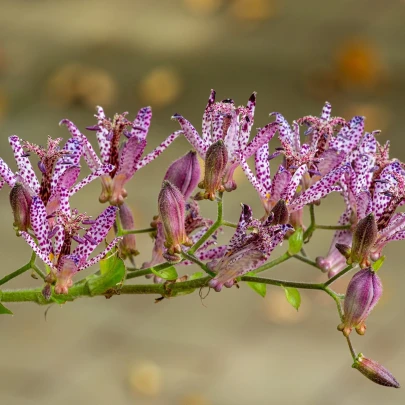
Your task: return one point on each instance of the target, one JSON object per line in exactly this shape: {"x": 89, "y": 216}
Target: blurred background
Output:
{"x": 59, "y": 59}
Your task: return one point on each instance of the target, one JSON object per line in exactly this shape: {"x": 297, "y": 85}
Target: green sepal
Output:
{"x": 378, "y": 263}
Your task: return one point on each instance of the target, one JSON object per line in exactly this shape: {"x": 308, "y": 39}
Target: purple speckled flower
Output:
{"x": 362, "y": 295}
{"x": 246, "y": 251}
{"x": 54, "y": 241}
{"x": 127, "y": 157}
{"x": 224, "y": 121}
{"x": 59, "y": 170}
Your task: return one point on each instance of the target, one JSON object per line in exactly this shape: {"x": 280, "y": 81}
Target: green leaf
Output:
{"x": 377, "y": 264}
{"x": 295, "y": 242}
{"x": 112, "y": 271}
{"x": 293, "y": 296}
{"x": 4, "y": 310}
{"x": 167, "y": 274}
{"x": 260, "y": 288}
{"x": 197, "y": 275}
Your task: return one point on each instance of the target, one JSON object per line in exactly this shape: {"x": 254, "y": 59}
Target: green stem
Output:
{"x": 273, "y": 263}
{"x": 312, "y": 226}
{"x": 340, "y": 274}
{"x": 135, "y": 231}
{"x": 37, "y": 270}
{"x": 212, "y": 229}
{"x": 333, "y": 227}
{"x": 16, "y": 273}
{"x": 230, "y": 224}
{"x": 284, "y": 283}
{"x": 188, "y": 256}
{"x": 158, "y": 267}
{"x": 306, "y": 260}
{"x": 138, "y": 272}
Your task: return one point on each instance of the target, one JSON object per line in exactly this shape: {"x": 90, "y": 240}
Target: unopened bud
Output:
{"x": 375, "y": 372}
{"x": 47, "y": 291}
{"x": 362, "y": 295}
{"x": 344, "y": 250}
{"x": 128, "y": 244}
{"x": 184, "y": 173}
{"x": 20, "y": 200}
{"x": 172, "y": 213}
{"x": 364, "y": 237}
{"x": 216, "y": 160}
{"x": 280, "y": 212}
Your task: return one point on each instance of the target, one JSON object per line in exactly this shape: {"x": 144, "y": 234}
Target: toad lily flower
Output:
{"x": 54, "y": 243}
{"x": 126, "y": 158}
{"x": 246, "y": 251}
{"x": 59, "y": 169}
{"x": 223, "y": 121}
{"x": 284, "y": 184}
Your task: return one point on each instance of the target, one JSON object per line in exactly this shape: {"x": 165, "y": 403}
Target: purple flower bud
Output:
{"x": 216, "y": 160}
{"x": 375, "y": 372}
{"x": 128, "y": 244}
{"x": 21, "y": 200}
{"x": 280, "y": 213}
{"x": 172, "y": 213}
{"x": 364, "y": 237}
{"x": 184, "y": 173}
{"x": 362, "y": 295}
{"x": 47, "y": 291}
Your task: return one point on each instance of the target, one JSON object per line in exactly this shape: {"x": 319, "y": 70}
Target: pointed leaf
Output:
{"x": 112, "y": 271}
{"x": 197, "y": 275}
{"x": 260, "y": 288}
{"x": 167, "y": 274}
{"x": 295, "y": 242}
{"x": 4, "y": 310}
{"x": 293, "y": 296}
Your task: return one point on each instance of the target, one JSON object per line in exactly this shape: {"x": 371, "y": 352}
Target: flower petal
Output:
{"x": 40, "y": 224}
{"x": 24, "y": 164}
{"x": 141, "y": 124}
{"x": 262, "y": 166}
{"x": 7, "y": 173}
{"x": 44, "y": 257}
{"x": 158, "y": 150}
{"x": 191, "y": 135}
{"x": 97, "y": 232}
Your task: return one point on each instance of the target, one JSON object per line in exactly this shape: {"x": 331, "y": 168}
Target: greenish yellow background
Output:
{"x": 59, "y": 59}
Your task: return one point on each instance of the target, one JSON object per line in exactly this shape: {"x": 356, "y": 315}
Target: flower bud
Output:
{"x": 375, "y": 372}
{"x": 216, "y": 160}
{"x": 20, "y": 200}
{"x": 280, "y": 212}
{"x": 362, "y": 295}
{"x": 128, "y": 244}
{"x": 344, "y": 250}
{"x": 364, "y": 237}
{"x": 184, "y": 173}
{"x": 172, "y": 213}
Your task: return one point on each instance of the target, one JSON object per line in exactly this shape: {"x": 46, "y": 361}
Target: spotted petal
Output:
{"x": 141, "y": 124}
{"x": 23, "y": 163}
{"x": 40, "y": 225}
{"x": 97, "y": 233}
{"x": 320, "y": 189}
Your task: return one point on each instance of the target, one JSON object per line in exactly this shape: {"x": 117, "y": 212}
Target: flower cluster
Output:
{"x": 332, "y": 155}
